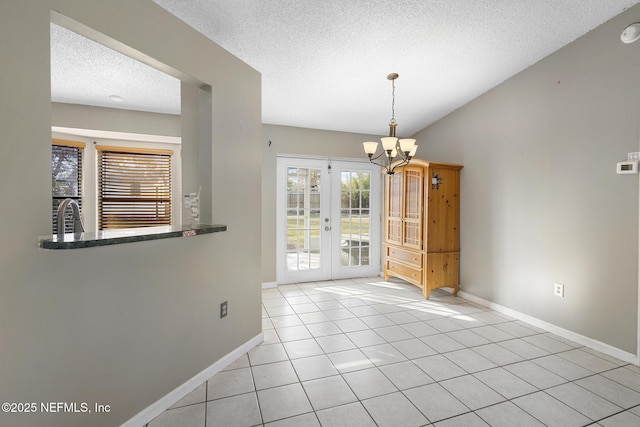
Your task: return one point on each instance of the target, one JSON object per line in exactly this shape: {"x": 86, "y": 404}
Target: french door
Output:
{"x": 328, "y": 219}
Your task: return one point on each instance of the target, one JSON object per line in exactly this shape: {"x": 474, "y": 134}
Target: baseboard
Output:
{"x": 565, "y": 333}
{"x": 269, "y": 285}
{"x": 149, "y": 413}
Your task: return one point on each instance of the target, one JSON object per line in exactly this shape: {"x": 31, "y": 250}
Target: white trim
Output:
{"x": 157, "y": 408}
{"x": 580, "y": 339}
{"x": 127, "y": 136}
{"x": 325, "y": 158}
{"x": 269, "y": 285}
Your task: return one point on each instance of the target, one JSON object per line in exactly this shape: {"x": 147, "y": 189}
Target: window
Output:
{"x": 66, "y": 178}
{"x": 134, "y": 187}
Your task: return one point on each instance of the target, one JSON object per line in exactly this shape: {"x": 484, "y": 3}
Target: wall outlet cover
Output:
{"x": 634, "y": 156}
{"x": 558, "y": 290}
{"x": 223, "y": 309}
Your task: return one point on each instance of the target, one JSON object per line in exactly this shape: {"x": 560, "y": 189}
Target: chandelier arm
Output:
{"x": 379, "y": 164}
{"x": 404, "y": 160}
{"x": 402, "y": 163}
{"x": 378, "y": 156}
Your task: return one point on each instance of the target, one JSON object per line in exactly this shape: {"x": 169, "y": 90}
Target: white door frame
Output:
{"x": 373, "y": 268}
{"x": 330, "y": 240}
{"x": 324, "y": 272}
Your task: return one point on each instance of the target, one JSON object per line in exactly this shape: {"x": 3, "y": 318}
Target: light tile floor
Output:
{"x": 365, "y": 352}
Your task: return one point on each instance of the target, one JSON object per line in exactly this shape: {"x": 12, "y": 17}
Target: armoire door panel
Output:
{"x": 394, "y": 231}
{"x": 394, "y": 190}
{"x": 393, "y": 209}
{"x": 412, "y": 234}
{"x": 412, "y": 215}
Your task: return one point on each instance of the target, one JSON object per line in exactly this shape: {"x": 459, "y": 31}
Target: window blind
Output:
{"x": 66, "y": 179}
{"x": 134, "y": 187}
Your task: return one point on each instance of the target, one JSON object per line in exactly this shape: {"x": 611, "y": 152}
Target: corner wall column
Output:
{"x": 197, "y": 146}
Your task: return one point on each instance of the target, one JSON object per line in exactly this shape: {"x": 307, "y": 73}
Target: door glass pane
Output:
{"x": 303, "y": 219}
{"x": 355, "y": 223}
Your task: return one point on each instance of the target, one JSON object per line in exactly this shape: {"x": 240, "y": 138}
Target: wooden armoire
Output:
{"x": 422, "y": 225}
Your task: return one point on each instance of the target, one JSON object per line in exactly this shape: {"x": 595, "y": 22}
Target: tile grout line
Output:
{"x": 206, "y": 401}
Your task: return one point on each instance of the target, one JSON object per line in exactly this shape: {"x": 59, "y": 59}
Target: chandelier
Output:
{"x": 396, "y": 152}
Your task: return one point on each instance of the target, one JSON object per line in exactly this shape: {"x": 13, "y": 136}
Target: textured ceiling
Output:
{"x": 324, "y": 63}
{"x": 86, "y": 72}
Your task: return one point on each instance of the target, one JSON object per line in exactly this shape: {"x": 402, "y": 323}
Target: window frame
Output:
{"x": 80, "y": 153}
{"x": 113, "y": 196}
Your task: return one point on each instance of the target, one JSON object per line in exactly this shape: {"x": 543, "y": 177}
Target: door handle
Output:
{"x": 327, "y": 228}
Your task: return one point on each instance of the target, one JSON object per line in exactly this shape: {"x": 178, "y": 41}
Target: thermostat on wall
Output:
{"x": 627, "y": 167}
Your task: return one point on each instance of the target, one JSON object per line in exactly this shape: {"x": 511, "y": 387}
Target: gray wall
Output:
{"x": 121, "y": 325}
{"x": 301, "y": 142}
{"x": 114, "y": 120}
{"x": 540, "y": 198}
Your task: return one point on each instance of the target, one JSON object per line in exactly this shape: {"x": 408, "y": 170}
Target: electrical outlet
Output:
{"x": 223, "y": 309}
{"x": 633, "y": 156}
{"x": 558, "y": 290}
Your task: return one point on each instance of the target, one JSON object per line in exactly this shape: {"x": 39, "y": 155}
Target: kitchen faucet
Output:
{"x": 78, "y": 227}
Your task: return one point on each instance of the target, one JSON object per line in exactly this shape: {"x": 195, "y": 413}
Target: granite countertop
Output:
{"x": 127, "y": 235}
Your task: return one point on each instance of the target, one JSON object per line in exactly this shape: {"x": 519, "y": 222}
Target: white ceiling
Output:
{"x": 86, "y": 72}
{"x": 324, "y": 63}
